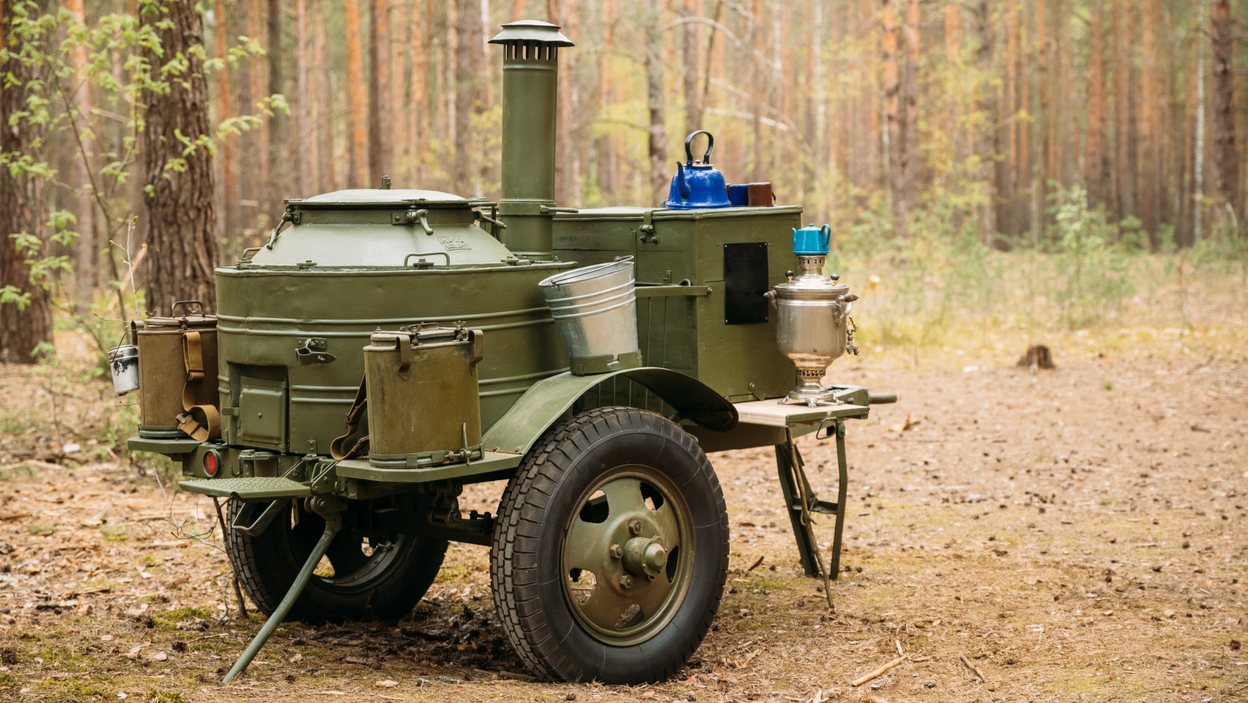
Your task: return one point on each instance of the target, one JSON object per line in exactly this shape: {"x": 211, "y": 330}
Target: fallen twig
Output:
{"x": 972, "y": 667}
{"x": 899, "y": 652}
{"x": 873, "y": 699}
{"x": 756, "y": 565}
{"x": 916, "y": 660}
{"x": 878, "y": 672}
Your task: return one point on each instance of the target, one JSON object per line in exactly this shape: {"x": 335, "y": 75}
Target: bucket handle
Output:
{"x": 404, "y": 344}
{"x": 710, "y": 144}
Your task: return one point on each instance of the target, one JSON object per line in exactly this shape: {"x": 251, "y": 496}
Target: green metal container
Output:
{"x": 422, "y": 396}
{"x": 294, "y": 319}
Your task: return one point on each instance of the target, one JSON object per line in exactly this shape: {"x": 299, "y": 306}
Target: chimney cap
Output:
{"x": 531, "y": 31}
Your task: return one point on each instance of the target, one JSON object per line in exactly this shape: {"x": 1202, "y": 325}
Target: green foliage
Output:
{"x": 120, "y": 59}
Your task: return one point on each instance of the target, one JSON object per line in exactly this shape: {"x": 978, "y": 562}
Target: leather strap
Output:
{"x": 358, "y": 407}
{"x": 200, "y": 422}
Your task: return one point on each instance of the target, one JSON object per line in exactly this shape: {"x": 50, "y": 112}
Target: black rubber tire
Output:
{"x": 540, "y": 501}
{"x": 267, "y": 565}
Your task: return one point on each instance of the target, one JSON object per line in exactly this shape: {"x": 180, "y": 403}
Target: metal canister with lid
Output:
{"x": 423, "y": 406}
{"x": 813, "y": 326}
{"x": 178, "y": 372}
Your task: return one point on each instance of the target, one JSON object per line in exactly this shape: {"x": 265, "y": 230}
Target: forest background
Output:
{"x": 1030, "y": 162}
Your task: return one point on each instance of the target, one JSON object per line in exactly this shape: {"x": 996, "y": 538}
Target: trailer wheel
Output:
{"x": 366, "y": 577}
{"x": 611, "y": 549}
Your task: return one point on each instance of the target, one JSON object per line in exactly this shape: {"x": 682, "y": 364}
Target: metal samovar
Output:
{"x": 814, "y": 328}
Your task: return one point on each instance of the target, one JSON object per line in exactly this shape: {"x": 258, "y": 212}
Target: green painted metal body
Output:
{"x": 689, "y": 333}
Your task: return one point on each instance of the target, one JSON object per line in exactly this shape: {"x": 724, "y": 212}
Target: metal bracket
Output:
{"x": 312, "y": 351}
{"x": 647, "y": 228}
{"x": 255, "y": 518}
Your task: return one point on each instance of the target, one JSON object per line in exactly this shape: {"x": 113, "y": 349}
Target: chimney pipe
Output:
{"x": 530, "y": 106}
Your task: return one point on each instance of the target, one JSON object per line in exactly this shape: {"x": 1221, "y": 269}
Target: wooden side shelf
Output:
{"x": 772, "y": 413}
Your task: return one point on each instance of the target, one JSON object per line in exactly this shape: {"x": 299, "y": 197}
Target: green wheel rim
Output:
{"x": 627, "y": 555}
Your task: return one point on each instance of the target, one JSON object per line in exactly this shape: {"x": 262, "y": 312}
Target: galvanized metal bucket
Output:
{"x": 124, "y": 363}
{"x": 595, "y": 309}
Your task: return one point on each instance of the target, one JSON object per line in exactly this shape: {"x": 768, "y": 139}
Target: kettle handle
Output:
{"x": 826, "y": 231}
{"x": 710, "y": 144}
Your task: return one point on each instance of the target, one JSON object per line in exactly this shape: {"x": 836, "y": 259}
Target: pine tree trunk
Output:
{"x": 1226, "y": 157}
{"x": 260, "y": 141}
{"x": 359, "y": 176}
{"x": 693, "y": 110}
{"x": 657, "y": 144}
{"x": 181, "y": 219}
{"x": 229, "y": 174}
{"x": 277, "y": 126}
{"x": 1149, "y": 104}
{"x": 1096, "y": 163}
{"x": 892, "y": 111}
{"x": 1124, "y": 174}
{"x": 86, "y": 260}
{"x": 986, "y": 138}
{"x": 326, "y": 176}
{"x": 910, "y": 91}
{"x": 379, "y": 143}
{"x": 303, "y": 102}
{"x": 21, "y": 207}
{"x": 467, "y": 31}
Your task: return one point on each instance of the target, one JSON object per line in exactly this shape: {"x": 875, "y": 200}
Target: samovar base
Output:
{"x": 810, "y": 392}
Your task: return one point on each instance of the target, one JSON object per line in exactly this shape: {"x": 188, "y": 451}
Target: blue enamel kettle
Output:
{"x": 811, "y": 240}
{"x": 697, "y": 184}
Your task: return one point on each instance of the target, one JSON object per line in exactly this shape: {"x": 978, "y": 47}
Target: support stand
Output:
{"x": 800, "y": 500}
{"x": 333, "y": 523}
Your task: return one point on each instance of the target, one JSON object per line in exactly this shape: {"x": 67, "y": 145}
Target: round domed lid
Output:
{"x": 377, "y": 198}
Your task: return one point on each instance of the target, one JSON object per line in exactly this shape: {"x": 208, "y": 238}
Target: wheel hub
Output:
{"x": 626, "y": 555}
{"x": 644, "y": 557}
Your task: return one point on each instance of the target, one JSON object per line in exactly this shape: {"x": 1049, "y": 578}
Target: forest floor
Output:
{"x": 1076, "y": 534}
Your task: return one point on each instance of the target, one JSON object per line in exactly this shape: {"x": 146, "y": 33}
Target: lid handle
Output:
{"x": 187, "y": 303}
{"x": 710, "y": 144}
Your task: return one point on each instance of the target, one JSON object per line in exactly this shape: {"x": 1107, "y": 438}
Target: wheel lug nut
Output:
{"x": 634, "y": 526}
{"x": 626, "y": 581}
{"x": 616, "y": 551}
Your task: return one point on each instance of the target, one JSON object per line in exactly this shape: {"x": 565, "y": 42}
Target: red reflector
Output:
{"x": 212, "y": 462}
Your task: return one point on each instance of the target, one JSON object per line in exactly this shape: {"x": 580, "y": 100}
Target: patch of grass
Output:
{"x": 165, "y": 696}
{"x": 41, "y": 529}
{"x": 171, "y": 618}
{"x": 17, "y": 472}
{"x": 115, "y": 533}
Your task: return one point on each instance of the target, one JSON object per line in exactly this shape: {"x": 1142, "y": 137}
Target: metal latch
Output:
{"x": 411, "y": 217}
{"x": 647, "y": 228}
{"x": 312, "y": 351}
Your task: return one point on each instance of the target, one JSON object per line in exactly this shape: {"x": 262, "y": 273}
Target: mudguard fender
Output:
{"x": 546, "y": 401}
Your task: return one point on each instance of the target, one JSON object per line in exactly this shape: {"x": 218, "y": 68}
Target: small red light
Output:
{"x": 212, "y": 462}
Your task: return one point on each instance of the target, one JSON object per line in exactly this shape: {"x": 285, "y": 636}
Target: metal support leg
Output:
{"x": 789, "y": 475}
{"x": 842, "y": 484}
{"x": 332, "y": 524}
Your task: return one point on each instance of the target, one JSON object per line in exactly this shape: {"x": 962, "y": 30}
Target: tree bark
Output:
{"x": 1150, "y": 195}
{"x": 910, "y": 93}
{"x": 358, "y": 177}
{"x": 326, "y": 171}
{"x": 303, "y": 103}
{"x": 87, "y": 258}
{"x": 693, "y": 109}
{"x": 229, "y": 175}
{"x": 1226, "y": 157}
{"x": 181, "y": 219}
{"x": 1124, "y": 174}
{"x": 260, "y": 141}
{"x": 21, "y": 206}
{"x": 986, "y": 137}
{"x": 892, "y": 113}
{"x": 657, "y": 143}
{"x": 379, "y": 143}
{"x": 1096, "y": 162}
{"x": 467, "y": 52}
{"x": 277, "y": 124}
